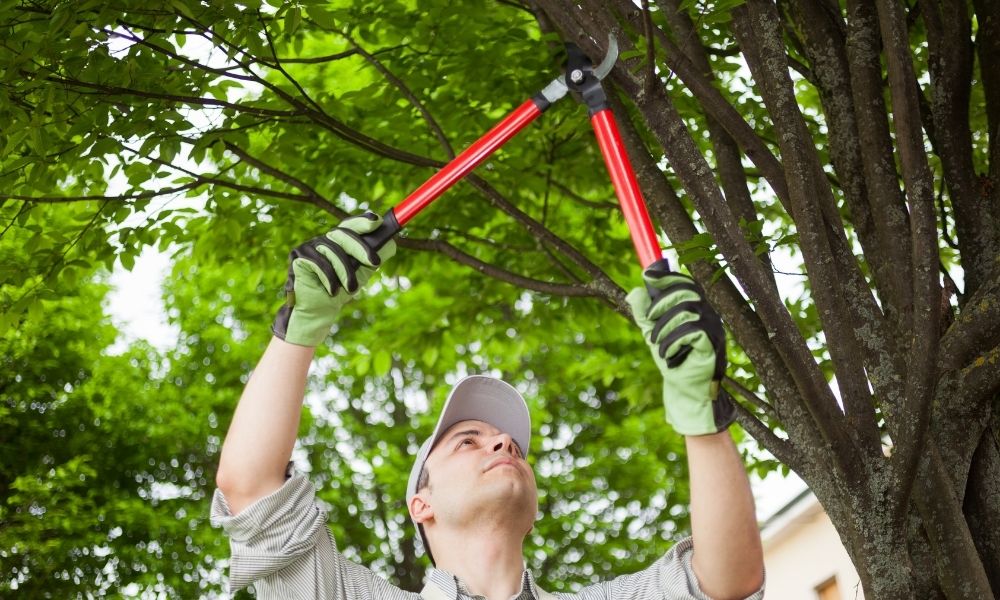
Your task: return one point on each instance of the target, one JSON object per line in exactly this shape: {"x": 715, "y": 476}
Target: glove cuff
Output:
{"x": 697, "y": 415}
{"x": 724, "y": 410}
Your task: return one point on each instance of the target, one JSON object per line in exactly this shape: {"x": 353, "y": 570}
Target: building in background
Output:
{"x": 804, "y": 557}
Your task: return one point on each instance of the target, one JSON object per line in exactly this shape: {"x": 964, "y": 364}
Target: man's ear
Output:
{"x": 420, "y": 510}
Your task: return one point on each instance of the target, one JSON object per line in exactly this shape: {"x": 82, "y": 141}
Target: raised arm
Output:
{"x": 262, "y": 433}
{"x": 728, "y": 557}
{"x": 688, "y": 344}
{"x": 323, "y": 274}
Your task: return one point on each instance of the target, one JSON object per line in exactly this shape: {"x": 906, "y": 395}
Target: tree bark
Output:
{"x": 959, "y": 567}
{"x": 982, "y": 499}
{"x": 905, "y": 544}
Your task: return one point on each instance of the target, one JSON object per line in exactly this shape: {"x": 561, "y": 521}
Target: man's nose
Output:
{"x": 504, "y": 443}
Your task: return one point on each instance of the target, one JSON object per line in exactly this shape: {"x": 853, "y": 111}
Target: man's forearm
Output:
{"x": 265, "y": 425}
{"x": 728, "y": 558}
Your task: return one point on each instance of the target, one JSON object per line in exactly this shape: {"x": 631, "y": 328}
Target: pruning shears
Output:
{"x": 580, "y": 76}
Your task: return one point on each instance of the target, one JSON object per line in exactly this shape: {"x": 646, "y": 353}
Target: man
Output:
{"x": 471, "y": 493}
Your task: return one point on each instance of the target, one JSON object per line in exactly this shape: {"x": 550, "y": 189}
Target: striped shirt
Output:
{"x": 281, "y": 544}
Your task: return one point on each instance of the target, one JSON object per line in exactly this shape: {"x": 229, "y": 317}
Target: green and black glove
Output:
{"x": 323, "y": 274}
{"x": 689, "y": 346}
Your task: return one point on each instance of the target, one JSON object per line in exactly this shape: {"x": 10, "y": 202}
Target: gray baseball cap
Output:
{"x": 480, "y": 398}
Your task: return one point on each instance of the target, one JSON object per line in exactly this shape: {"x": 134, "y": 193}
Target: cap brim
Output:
{"x": 478, "y": 398}
{"x": 481, "y": 398}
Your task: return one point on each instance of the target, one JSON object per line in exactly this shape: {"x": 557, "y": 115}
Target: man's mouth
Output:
{"x": 500, "y": 462}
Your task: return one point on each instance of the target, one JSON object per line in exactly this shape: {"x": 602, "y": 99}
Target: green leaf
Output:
{"x": 128, "y": 260}
{"x": 182, "y": 7}
{"x": 381, "y": 363}
{"x": 322, "y": 17}
{"x": 430, "y": 355}
{"x": 80, "y": 31}
{"x": 293, "y": 18}
{"x": 631, "y": 54}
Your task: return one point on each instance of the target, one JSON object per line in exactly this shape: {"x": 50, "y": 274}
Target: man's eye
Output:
{"x": 465, "y": 441}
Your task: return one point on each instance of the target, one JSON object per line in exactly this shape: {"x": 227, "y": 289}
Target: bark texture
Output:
{"x": 890, "y": 179}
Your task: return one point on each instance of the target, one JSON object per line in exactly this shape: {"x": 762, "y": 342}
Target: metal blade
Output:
{"x": 602, "y": 70}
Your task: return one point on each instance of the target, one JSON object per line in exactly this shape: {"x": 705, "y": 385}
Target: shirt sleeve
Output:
{"x": 281, "y": 544}
{"x": 669, "y": 578}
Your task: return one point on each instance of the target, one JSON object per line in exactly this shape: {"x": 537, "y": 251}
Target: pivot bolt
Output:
{"x": 576, "y": 75}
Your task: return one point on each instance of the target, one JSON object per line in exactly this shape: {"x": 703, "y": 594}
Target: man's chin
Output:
{"x": 509, "y": 492}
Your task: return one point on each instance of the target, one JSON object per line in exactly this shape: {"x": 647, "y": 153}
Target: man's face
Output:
{"x": 475, "y": 467}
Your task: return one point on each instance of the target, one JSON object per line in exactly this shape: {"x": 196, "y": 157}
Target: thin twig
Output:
{"x": 751, "y": 397}
{"x": 20, "y": 211}
{"x": 277, "y": 66}
{"x": 783, "y": 450}
{"x": 408, "y": 94}
{"x": 121, "y": 198}
{"x": 337, "y": 56}
{"x": 545, "y": 287}
{"x": 62, "y": 257}
{"x": 273, "y": 171}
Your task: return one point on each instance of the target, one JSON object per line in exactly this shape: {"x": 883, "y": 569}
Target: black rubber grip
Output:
{"x": 378, "y": 238}
{"x": 389, "y": 227}
{"x": 663, "y": 266}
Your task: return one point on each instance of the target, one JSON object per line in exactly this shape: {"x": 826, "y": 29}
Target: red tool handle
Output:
{"x": 459, "y": 167}
{"x": 626, "y": 188}
{"x": 468, "y": 160}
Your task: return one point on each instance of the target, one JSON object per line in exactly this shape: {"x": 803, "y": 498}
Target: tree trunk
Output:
{"x": 881, "y": 558}
{"x": 959, "y": 568}
{"x": 982, "y": 500}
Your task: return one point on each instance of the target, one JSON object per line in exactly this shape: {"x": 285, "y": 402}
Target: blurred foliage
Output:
{"x": 109, "y": 453}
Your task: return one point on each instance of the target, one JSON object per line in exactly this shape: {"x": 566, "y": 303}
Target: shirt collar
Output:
{"x": 452, "y": 586}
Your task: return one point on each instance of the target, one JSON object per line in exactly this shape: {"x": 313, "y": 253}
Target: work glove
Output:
{"x": 323, "y": 274}
{"x": 688, "y": 344}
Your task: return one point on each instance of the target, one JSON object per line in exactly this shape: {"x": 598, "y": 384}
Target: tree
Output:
{"x": 852, "y": 136}
{"x": 106, "y": 462}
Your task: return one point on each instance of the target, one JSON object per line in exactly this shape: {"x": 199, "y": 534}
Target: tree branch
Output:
{"x": 335, "y": 57}
{"x": 949, "y": 40}
{"x": 757, "y": 27}
{"x": 93, "y": 197}
{"x": 408, "y": 94}
{"x": 277, "y": 67}
{"x": 263, "y": 167}
{"x": 750, "y": 397}
{"x": 823, "y": 43}
{"x": 171, "y": 54}
{"x": 988, "y": 52}
{"x": 728, "y": 159}
{"x": 20, "y": 211}
{"x": 544, "y": 287}
{"x": 312, "y": 109}
{"x": 575, "y": 197}
{"x": 910, "y": 424}
{"x": 202, "y": 179}
{"x": 179, "y": 98}
{"x": 609, "y": 290}
{"x": 760, "y": 344}
{"x": 976, "y": 328}
{"x": 716, "y": 106}
{"x": 783, "y": 450}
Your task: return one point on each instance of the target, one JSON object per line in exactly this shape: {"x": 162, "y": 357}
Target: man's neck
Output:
{"x": 490, "y": 561}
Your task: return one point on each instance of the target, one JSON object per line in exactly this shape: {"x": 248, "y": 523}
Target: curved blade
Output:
{"x": 602, "y": 70}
